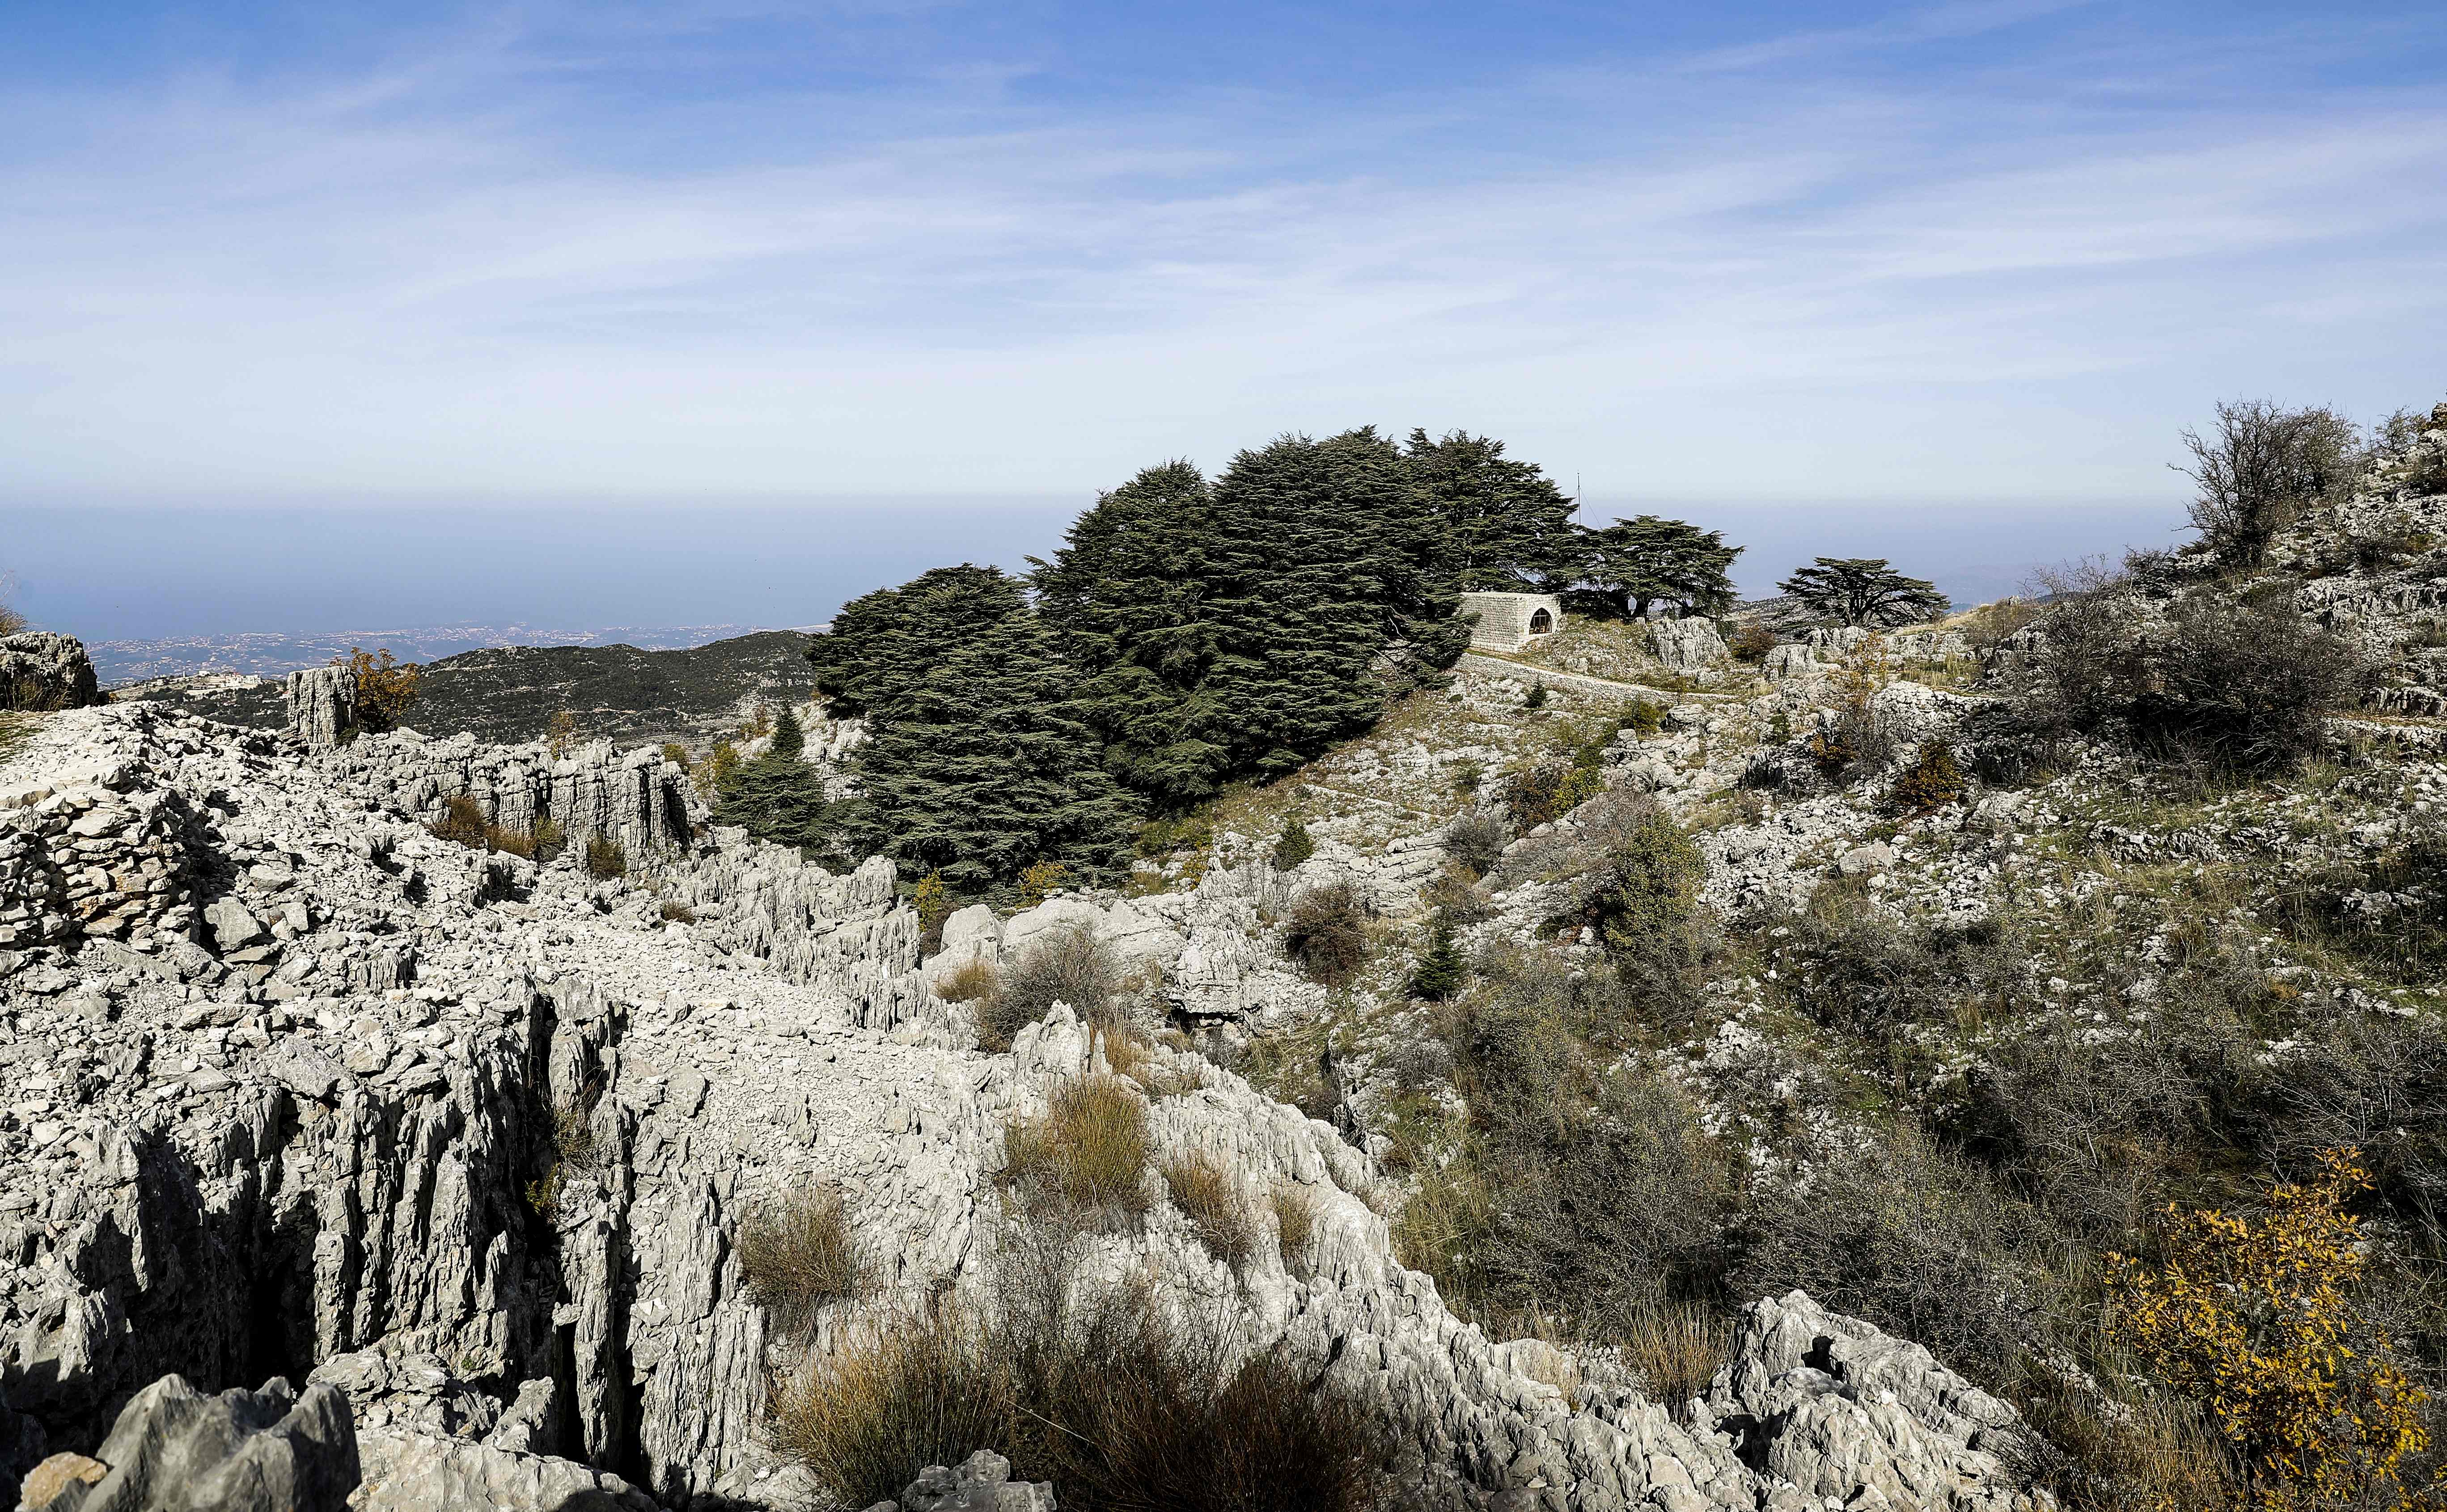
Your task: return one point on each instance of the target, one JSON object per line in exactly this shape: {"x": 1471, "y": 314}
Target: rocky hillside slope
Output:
{"x": 513, "y": 693}
{"x": 299, "y": 1089}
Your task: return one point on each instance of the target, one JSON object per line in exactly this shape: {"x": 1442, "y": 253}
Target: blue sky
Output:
{"x": 1985, "y": 255}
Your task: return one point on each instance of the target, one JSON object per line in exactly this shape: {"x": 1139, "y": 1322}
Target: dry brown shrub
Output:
{"x": 1210, "y": 1197}
{"x": 1085, "y": 1159}
{"x": 605, "y": 858}
{"x": 386, "y": 687}
{"x": 796, "y": 1254}
{"x": 1070, "y": 965}
{"x": 678, "y": 913}
{"x": 1327, "y": 933}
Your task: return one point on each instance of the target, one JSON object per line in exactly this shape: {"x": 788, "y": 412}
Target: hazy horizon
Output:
{"x": 304, "y": 568}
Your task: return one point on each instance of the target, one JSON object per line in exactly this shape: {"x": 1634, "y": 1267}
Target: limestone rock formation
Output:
{"x": 321, "y": 703}
{"x": 467, "y": 1139}
{"x": 1688, "y": 645}
{"x": 981, "y": 1482}
{"x": 44, "y": 670}
{"x": 174, "y": 1449}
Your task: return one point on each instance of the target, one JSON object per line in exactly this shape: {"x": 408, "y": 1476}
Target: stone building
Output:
{"x": 1510, "y": 621}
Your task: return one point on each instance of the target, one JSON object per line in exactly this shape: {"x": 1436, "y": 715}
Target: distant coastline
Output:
{"x": 269, "y": 654}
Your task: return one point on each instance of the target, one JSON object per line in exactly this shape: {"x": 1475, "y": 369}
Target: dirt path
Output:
{"x": 1478, "y": 661}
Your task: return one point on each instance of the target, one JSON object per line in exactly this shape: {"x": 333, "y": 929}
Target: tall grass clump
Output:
{"x": 1083, "y": 1161}
{"x": 1121, "y": 1410}
{"x": 796, "y": 1254}
{"x": 1210, "y": 1197}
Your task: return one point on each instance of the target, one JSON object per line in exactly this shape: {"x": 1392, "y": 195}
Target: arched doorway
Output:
{"x": 1541, "y": 622}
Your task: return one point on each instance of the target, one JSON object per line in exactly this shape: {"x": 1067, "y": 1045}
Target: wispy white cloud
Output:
{"x": 406, "y": 281}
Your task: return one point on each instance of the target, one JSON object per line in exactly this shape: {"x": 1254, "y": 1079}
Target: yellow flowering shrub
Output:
{"x": 2254, "y": 1317}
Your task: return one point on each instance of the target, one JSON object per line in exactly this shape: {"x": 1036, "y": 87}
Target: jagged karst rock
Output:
{"x": 176, "y": 1450}
{"x": 1688, "y": 645}
{"x": 1840, "y": 1410}
{"x": 981, "y": 1482}
{"x": 469, "y": 1143}
{"x": 405, "y": 1472}
{"x": 42, "y": 669}
{"x": 321, "y": 703}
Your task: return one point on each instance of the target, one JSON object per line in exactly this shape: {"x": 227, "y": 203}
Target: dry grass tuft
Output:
{"x": 461, "y": 823}
{"x": 1678, "y": 1351}
{"x": 978, "y": 979}
{"x": 1121, "y": 1410}
{"x": 1297, "y": 1210}
{"x": 900, "y": 1393}
{"x": 605, "y": 860}
{"x": 678, "y": 913}
{"x": 1085, "y": 1157}
{"x": 1130, "y": 1054}
{"x": 797, "y": 1256}
{"x": 1210, "y": 1197}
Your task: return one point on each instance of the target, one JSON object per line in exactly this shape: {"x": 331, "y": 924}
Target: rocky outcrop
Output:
{"x": 1840, "y": 1410}
{"x": 470, "y": 1144}
{"x": 321, "y": 705}
{"x": 174, "y": 1449}
{"x": 1688, "y": 645}
{"x": 981, "y": 1482}
{"x": 39, "y": 669}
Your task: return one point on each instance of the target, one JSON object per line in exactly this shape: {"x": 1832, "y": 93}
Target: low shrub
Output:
{"x": 2247, "y": 689}
{"x": 932, "y": 899}
{"x": 1294, "y": 847}
{"x": 605, "y": 858}
{"x": 1327, "y": 933}
{"x": 1752, "y": 642}
{"x": 1931, "y": 783}
{"x": 519, "y": 842}
{"x": 975, "y": 979}
{"x": 1211, "y": 1199}
{"x": 678, "y": 914}
{"x": 1041, "y": 882}
{"x": 2258, "y": 1317}
{"x": 797, "y": 1256}
{"x": 1911, "y": 1239}
{"x": 1067, "y": 964}
{"x": 1297, "y": 1210}
{"x": 1476, "y": 839}
{"x": 386, "y": 687}
{"x": 1535, "y": 697}
{"x": 1085, "y": 1158}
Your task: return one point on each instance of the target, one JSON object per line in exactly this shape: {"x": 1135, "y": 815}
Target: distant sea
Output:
{"x": 265, "y": 653}
{"x": 219, "y": 585}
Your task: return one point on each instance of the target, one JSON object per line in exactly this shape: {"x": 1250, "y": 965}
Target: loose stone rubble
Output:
{"x": 465, "y": 1139}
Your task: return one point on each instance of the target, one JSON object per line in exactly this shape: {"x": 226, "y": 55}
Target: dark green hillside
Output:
{"x": 511, "y": 693}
